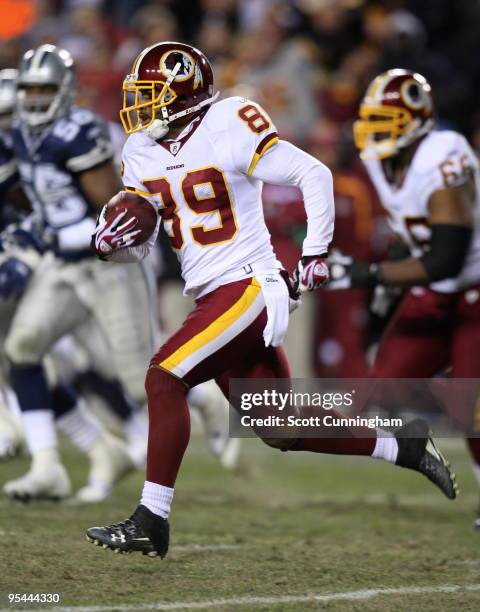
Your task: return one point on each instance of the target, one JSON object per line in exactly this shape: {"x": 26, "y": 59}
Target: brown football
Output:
{"x": 137, "y": 207}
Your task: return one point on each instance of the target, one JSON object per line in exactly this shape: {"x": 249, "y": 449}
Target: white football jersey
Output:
{"x": 202, "y": 185}
{"x": 443, "y": 159}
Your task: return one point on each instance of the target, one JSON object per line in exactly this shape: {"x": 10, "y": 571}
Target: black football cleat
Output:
{"x": 417, "y": 451}
{"x": 143, "y": 532}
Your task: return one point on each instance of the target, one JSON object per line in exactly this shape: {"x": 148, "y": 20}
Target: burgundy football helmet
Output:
{"x": 168, "y": 82}
{"x": 396, "y": 111}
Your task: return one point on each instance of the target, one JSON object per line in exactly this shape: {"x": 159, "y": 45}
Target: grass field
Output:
{"x": 288, "y": 532}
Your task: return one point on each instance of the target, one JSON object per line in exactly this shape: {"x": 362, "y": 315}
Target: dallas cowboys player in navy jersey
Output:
{"x": 65, "y": 165}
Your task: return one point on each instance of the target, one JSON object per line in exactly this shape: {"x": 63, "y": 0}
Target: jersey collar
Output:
{"x": 173, "y": 145}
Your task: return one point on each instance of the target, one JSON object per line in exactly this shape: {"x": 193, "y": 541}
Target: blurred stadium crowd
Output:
{"x": 308, "y": 62}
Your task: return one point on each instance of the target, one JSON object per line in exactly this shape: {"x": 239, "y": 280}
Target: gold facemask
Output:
{"x": 388, "y": 121}
{"x": 146, "y": 102}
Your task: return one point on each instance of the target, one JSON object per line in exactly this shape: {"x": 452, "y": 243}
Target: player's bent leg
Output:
{"x": 283, "y": 444}
{"x": 232, "y": 315}
{"x": 411, "y": 447}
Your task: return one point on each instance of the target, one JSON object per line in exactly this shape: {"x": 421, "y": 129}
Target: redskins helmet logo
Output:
{"x": 414, "y": 96}
{"x": 170, "y": 59}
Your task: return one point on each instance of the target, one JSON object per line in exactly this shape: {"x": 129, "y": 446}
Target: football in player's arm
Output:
{"x": 259, "y": 155}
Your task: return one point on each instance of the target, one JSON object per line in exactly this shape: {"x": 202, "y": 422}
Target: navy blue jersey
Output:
{"x": 49, "y": 165}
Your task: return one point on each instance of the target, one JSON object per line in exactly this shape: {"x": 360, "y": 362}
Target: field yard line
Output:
{"x": 244, "y": 601}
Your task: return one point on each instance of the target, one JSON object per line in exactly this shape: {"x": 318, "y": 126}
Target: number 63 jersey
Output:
{"x": 443, "y": 159}
{"x": 202, "y": 185}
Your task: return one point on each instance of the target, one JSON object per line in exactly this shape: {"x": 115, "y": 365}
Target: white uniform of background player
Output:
{"x": 441, "y": 161}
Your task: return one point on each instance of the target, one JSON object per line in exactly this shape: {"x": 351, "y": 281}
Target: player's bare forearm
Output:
{"x": 405, "y": 273}
{"x": 450, "y": 217}
{"x": 16, "y": 196}
{"x": 100, "y": 184}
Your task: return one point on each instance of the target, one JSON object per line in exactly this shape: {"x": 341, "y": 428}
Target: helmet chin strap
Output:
{"x": 159, "y": 127}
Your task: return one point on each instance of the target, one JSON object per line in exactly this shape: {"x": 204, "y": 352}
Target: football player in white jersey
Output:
{"x": 429, "y": 183}
{"x": 202, "y": 165}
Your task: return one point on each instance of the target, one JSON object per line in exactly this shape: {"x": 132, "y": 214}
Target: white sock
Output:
{"x": 44, "y": 458}
{"x": 39, "y": 426}
{"x": 81, "y": 427}
{"x": 157, "y": 498}
{"x": 386, "y": 446}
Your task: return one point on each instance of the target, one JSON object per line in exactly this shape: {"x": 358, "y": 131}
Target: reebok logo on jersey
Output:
{"x": 175, "y": 167}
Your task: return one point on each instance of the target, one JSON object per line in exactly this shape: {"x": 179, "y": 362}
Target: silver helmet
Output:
{"x": 45, "y": 85}
{"x": 8, "y": 90}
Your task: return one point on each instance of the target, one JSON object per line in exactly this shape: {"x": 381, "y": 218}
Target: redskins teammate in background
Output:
{"x": 202, "y": 165}
{"x": 429, "y": 183}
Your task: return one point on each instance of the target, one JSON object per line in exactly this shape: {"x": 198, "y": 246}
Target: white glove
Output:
{"x": 347, "y": 272}
{"x": 277, "y": 301}
{"x": 339, "y": 264}
{"x": 111, "y": 236}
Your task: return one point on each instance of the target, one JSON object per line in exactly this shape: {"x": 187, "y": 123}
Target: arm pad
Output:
{"x": 449, "y": 246}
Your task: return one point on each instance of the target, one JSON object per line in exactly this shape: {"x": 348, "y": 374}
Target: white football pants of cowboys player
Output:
{"x": 88, "y": 349}
{"x": 108, "y": 455}
{"x": 11, "y": 433}
{"x": 49, "y": 307}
